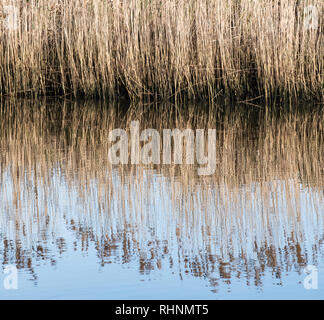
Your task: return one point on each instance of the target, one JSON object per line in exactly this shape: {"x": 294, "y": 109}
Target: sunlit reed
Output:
{"x": 162, "y": 49}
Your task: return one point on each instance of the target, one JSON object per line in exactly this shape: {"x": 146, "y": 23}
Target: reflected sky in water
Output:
{"x": 77, "y": 227}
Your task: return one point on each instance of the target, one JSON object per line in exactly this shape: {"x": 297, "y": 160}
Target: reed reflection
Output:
{"x": 260, "y": 213}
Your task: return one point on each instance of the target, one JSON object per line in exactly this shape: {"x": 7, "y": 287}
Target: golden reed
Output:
{"x": 161, "y": 49}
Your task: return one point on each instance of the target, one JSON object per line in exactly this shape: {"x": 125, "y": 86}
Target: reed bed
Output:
{"x": 170, "y": 49}
{"x": 261, "y": 210}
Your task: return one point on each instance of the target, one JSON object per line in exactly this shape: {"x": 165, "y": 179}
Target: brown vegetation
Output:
{"x": 162, "y": 49}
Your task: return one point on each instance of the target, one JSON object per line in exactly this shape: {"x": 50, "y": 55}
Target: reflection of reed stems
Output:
{"x": 258, "y": 211}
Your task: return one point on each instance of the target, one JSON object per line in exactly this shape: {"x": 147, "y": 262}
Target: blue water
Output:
{"x": 77, "y": 228}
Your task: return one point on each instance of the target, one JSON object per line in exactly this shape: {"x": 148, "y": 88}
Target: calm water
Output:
{"x": 76, "y": 226}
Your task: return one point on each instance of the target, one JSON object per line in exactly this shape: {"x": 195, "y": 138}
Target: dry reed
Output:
{"x": 162, "y": 49}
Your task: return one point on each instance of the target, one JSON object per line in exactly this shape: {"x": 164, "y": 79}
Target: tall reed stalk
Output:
{"x": 162, "y": 49}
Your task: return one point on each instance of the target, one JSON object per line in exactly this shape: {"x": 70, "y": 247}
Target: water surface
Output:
{"x": 77, "y": 226}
